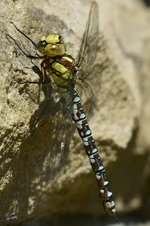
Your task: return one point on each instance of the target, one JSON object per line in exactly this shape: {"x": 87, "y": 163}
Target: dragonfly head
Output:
{"x": 51, "y": 45}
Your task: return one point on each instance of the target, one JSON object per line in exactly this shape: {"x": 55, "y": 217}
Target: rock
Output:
{"x": 41, "y": 178}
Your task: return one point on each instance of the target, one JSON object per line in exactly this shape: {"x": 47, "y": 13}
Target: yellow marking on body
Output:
{"x": 68, "y": 59}
{"x": 54, "y": 50}
{"x": 64, "y": 72}
{"x": 59, "y": 81}
{"x": 66, "y": 75}
{"x": 52, "y": 38}
{"x": 59, "y": 67}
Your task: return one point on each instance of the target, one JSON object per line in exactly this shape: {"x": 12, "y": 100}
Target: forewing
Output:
{"x": 89, "y": 71}
{"x": 90, "y": 41}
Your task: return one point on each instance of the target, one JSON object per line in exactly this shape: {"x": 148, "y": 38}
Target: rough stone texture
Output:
{"x": 37, "y": 182}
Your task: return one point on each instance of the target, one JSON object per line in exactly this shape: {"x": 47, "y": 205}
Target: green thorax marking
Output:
{"x": 62, "y": 70}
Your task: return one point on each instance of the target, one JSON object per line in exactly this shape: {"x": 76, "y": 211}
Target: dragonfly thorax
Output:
{"x": 62, "y": 70}
{"x": 61, "y": 65}
{"x": 51, "y": 45}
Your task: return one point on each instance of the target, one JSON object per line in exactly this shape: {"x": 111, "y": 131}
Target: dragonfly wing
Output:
{"x": 88, "y": 69}
{"x": 89, "y": 45}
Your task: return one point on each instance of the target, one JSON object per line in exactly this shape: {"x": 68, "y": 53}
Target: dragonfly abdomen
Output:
{"x": 85, "y": 133}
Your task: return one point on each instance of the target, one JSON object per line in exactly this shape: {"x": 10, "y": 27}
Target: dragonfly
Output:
{"x": 63, "y": 73}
